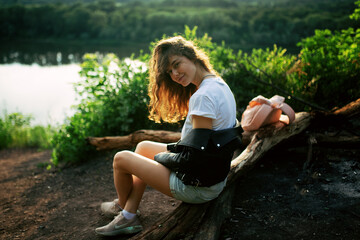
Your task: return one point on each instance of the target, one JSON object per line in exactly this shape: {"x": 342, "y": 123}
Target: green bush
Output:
{"x": 16, "y": 131}
{"x": 330, "y": 64}
{"x": 270, "y": 66}
{"x": 5, "y": 130}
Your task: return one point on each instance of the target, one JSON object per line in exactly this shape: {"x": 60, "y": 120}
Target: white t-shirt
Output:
{"x": 214, "y": 100}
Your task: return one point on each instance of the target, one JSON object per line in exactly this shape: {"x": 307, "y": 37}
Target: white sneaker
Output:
{"x": 111, "y": 209}
{"x": 120, "y": 225}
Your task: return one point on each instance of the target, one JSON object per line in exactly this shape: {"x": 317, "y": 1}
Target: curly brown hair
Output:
{"x": 169, "y": 100}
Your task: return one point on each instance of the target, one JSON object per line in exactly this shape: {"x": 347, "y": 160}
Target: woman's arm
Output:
{"x": 201, "y": 122}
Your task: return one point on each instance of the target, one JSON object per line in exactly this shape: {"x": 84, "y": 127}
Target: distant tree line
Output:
{"x": 237, "y": 22}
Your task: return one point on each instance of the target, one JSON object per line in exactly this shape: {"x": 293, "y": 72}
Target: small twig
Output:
{"x": 311, "y": 141}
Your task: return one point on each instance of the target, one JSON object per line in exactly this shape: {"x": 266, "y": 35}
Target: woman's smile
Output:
{"x": 180, "y": 78}
{"x": 181, "y": 70}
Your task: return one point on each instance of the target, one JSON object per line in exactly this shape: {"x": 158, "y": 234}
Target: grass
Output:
{"x": 16, "y": 132}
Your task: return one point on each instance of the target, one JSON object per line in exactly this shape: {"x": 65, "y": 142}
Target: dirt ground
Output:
{"x": 287, "y": 197}
{"x": 278, "y": 199}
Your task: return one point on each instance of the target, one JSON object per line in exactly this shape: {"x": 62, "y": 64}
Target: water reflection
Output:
{"x": 37, "y": 78}
{"x": 45, "y": 92}
{"x": 59, "y": 53}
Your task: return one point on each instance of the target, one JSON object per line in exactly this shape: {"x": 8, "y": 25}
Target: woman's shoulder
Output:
{"x": 213, "y": 82}
{"x": 214, "y": 87}
{"x": 209, "y": 92}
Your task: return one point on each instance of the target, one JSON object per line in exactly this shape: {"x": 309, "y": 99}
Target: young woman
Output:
{"x": 182, "y": 84}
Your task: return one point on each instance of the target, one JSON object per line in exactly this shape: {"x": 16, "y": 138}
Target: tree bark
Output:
{"x": 130, "y": 141}
{"x": 263, "y": 140}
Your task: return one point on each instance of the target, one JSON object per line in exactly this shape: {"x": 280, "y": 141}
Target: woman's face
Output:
{"x": 182, "y": 70}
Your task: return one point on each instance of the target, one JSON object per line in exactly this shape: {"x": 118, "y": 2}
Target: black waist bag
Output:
{"x": 203, "y": 157}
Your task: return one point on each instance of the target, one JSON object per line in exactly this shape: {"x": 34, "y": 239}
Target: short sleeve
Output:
{"x": 202, "y": 105}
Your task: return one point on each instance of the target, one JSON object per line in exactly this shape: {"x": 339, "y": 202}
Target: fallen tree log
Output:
{"x": 336, "y": 141}
{"x": 349, "y": 110}
{"x": 130, "y": 141}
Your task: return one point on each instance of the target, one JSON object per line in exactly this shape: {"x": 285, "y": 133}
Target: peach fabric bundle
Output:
{"x": 262, "y": 111}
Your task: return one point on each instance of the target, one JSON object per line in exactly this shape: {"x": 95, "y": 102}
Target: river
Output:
{"x": 37, "y": 78}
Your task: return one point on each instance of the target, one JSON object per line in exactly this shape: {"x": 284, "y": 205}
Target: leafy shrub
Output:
{"x": 16, "y": 131}
{"x": 263, "y": 72}
{"x": 5, "y": 130}
{"x": 331, "y": 65}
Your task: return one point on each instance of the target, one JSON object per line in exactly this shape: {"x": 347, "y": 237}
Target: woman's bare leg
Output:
{"x": 133, "y": 171}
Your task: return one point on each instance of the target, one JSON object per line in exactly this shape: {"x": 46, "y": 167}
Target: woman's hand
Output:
{"x": 201, "y": 122}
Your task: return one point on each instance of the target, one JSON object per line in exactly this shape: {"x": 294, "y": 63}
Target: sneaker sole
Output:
{"x": 127, "y": 230}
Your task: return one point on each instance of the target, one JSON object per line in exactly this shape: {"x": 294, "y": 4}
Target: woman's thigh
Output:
{"x": 149, "y": 148}
{"x": 151, "y": 172}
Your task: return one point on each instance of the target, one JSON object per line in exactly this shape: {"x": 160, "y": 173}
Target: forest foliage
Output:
{"x": 325, "y": 73}
{"x": 241, "y": 23}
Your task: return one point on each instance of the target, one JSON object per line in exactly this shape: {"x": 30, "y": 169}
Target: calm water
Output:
{"x": 37, "y": 78}
{"x": 44, "y": 92}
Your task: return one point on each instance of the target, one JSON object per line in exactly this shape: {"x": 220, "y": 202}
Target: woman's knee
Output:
{"x": 120, "y": 158}
{"x": 142, "y": 146}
